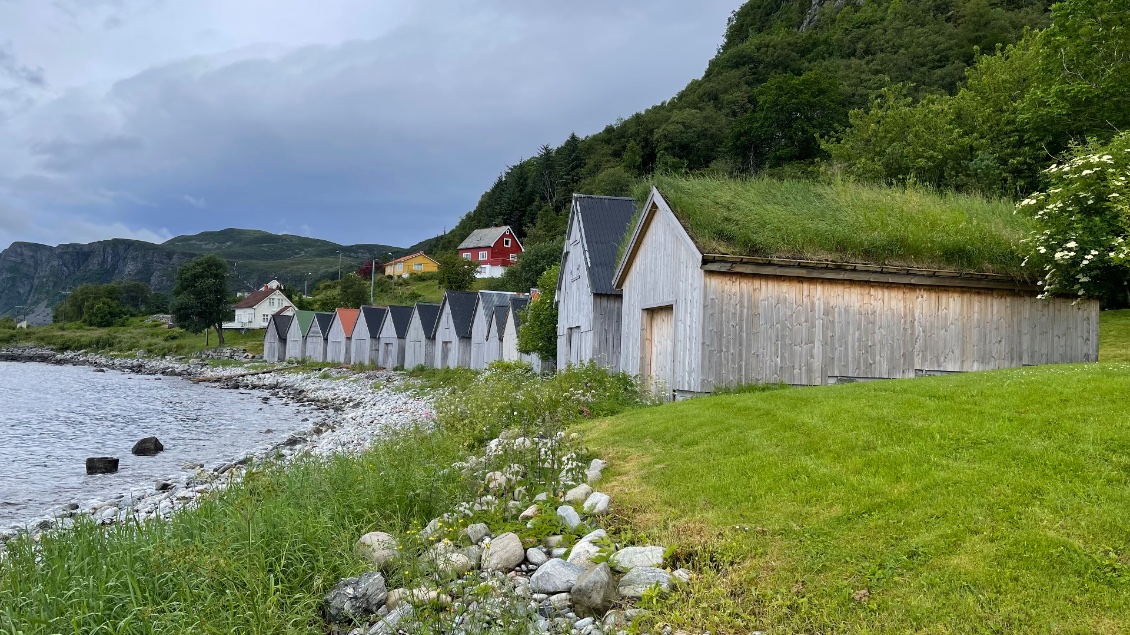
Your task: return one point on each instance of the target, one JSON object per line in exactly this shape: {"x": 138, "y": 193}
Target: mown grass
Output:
{"x": 1114, "y": 336}
{"x": 258, "y": 558}
{"x": 980, "y": 503}
{"x": 137, "y": 334}
{"x": 848, "y": 222}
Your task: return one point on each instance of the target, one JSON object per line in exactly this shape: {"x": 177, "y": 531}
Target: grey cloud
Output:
{"x": 20, "y": 74}
{"x": 383, "y": 140}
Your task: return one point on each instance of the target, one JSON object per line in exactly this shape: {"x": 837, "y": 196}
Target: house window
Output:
{"x": 466, "y": 256}
{"x": 419, "y": 266}
{"x": 513, "y": 257}
{"x": 482, "y": 255}
{"x": 505, "y": 242}
{"x": 400, "y": 266}
{"x": 265, "y": 318}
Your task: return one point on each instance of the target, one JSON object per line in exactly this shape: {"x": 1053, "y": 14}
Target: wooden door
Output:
{"x": 388, "y": 361}
{"x": 444, "y": 354}
{"x": 658, "y": 367}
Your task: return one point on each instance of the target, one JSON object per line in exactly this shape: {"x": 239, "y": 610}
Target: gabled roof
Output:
{"x": 516, "y": 306}
{"x": 254, "y": 298}
{"x": 409, "y": 257}
{"x": 400, "y": 316}
{"x": 281, "y": 324}
{"x": 488, "y": 300}
{"x": 305, "y": 319}
{"x": 428, "y": 313}
{"x": 500, "y": 313}
{"x": 484, "y": 237}
{"x": 461, "y": 304}
{"x": 374, "y": 318}
{"x": 324, "y": 321}
{"x": 348, "y": 319}
{"x": 604, "y": 221}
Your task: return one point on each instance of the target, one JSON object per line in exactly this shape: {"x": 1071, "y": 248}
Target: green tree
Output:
{"x": 456, "y": 273}
{"x": 104, "y": 312}
{"x": 353, "y": 291}
{"x": 789, "y": 117}
{"x": 7, "y": 323}
{"x": 1081, "y": 244}
{"x": 532, "y": 263}
{"x": 200, "y": 297}
{"x": 538, "y": 333}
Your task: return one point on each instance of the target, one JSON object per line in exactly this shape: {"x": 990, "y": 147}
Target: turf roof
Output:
{"x": 848, "y": 222}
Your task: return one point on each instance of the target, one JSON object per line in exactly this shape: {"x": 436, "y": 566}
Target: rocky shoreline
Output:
{"x": 348, "y": 411}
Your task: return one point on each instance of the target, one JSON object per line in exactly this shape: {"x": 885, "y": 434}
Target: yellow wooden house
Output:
{"x": 411, "y": 264}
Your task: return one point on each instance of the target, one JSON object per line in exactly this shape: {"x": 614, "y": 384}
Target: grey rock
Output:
{"x": 149, "y": 446}
{"x": 583, "y": 553}
{"x": 529, "y": 514}
{"x": 638, "y": 580}
{"x": 475, "y": 533}
{"x": 585, "y": 623}
{"x": 431, "y": 529}
{"x": 474, "y": 553}
{"x": 561, "y": 601}
{"x": 552, "y": 542}
{"x": 578, "y": 494}
{"x": 559, "y": 552}
{"x": 683, "y": 576}
{"x": 569, "y": 516}
{"x": 389, "y": 623}
{"x": 555, "y": 576}
{"x": 595, "y": 590}
{"x": 377, "y": 547}
{"x": 597, "y": 503}
{"x": 504, "y": 553}
{"x": 356, "y": 598}
{"x": 630, "y": 558}
{"x": 101, "y": 465}
{"x": 448, "y": 561}
{"x": 536, "y": 556}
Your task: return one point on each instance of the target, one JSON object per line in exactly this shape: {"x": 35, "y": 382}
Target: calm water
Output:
{"x": 53, "y": 417}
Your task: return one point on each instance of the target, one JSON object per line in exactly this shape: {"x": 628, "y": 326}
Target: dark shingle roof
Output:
{"x": 254, "y": 298}
{"x": 500, "y": 313}
{"x": 516, "y": 306}
{"x": 488, "y": 300}
{"x": 483, "y": 237}
{"x": 605, "y": 220}
{"x": 428, "y": 314}
{"x": 400, "y": 316}
{"x": 462, "y": 307}
{"x": 374, "y": 317}
{"x": 282, "y": 324}
{"x": 324, "y": 321}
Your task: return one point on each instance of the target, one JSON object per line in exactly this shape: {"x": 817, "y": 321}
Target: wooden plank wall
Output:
{"x": 273, "y": 350}
{"x": 810, "y": 331}
{"x": 419, "y": 349}
{"x": 382, "y": 353}
{"x": 315, "y": 343}
{"x": 607, "y": 311}
{"x": 665, "y": 271}
{"x": 337, "y": 344}
{"x": 445, "y": 332}
{"x": 574, "y": 301}
{"x": 296, "y": 345}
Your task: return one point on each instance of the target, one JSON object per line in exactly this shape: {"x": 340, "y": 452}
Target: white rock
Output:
{"x": 583, "y": 553}
{"x": 569, "y": 516}
{"x": 630, "y": 558}
{"x": 536, "y": 556}
{"x": 504, "y": 553}
{"x": 475, "y": 533}
{"x": 555, "y": 576}
{"x": 578, "y": 494}
{"x": 529, "y": 514}
{"x": 639, "y": 580}
{"x": 597, "y": 503}
{"x": 378, "y": 548}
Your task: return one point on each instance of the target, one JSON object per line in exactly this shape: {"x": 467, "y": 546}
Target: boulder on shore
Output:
{"x": 101, "y": 465}
{"x": 355, "y": 598}
{"x": 149, "y": 446}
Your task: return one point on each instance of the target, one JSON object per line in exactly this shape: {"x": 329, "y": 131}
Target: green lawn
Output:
{"x": 136, "y": 335}
{"x": 1114, "y": 336}
{"x": 980, "y": 503}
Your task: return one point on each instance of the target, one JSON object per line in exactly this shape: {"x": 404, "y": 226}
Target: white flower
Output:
{"x": 1072, "y": 245}
{"x": 1114, "y": 195}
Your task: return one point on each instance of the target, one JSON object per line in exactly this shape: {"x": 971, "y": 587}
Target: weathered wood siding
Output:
{"x": 510, "y": 348}
{"x": 337, "y": 343}
{"x": 391, "y": 348}
{"x": 296, "y": 348}
{"x": 666, "y": 271}
{"x": 457, "y": 349}
{"x": 760, "y": 328}
{"x": 363, "y": 349}
{"x": 419, "y": 347}
{"x": 588, "y": 324}
{"x": 315, "y": 343}
{"x": 480, "y": 324}
{"x": 493, "y": 343}
{"x": 274, "y": 349}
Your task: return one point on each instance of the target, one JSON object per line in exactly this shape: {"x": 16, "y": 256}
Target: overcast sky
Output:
{"x": 376, "y": 121}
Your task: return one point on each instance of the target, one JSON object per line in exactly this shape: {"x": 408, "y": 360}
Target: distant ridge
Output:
{"x": 33, "y": 277}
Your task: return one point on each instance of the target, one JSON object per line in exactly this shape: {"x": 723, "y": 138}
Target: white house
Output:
{"x": 453, "y": 329}
{"x": 275, "y": 340}
{"x": 420, "y": 343}
{"x": 588, "y": 305}
{"x": 366, "y": 335}
{"x": 316, "y": 337}
{"x": 296, "y": 335}
{"x": 394, "y": 331}
{"x": 480, "y": 324}
{"x": 255, "y": 310}
{"x": 338, "y": 340}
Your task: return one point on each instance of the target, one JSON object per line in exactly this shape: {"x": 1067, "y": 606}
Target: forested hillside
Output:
{"x": 787, "y": 74}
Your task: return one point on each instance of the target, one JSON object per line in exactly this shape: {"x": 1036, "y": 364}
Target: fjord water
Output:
{"x": 53, "y": 417}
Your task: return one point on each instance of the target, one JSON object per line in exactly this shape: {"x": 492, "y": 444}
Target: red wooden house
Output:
{"x": 494, "y": 248}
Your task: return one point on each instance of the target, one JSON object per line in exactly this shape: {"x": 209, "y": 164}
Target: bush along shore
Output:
{"x": 347, "y": 409}
{"x": 442, "y": 502}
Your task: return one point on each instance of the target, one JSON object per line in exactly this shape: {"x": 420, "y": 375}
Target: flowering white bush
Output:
{"x": 1082, "y": 244}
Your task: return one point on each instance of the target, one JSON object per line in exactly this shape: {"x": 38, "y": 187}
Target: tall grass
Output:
{"x": 257, "y": 558}
{"x": 137, "y": 334}
{"x": 848, "y": 222}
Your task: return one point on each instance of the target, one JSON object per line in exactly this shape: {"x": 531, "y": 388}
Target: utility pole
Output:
{"x": 372, "y": 280}
{"x": 306, "y": 281}
{"x": 339, "y": 265}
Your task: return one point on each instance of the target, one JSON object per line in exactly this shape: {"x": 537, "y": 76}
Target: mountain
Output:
{"x": 785, "y": 76}
{"x": 34, "y": 277}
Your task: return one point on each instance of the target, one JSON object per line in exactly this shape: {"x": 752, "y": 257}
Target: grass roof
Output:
{"x": 848, "y": 222}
